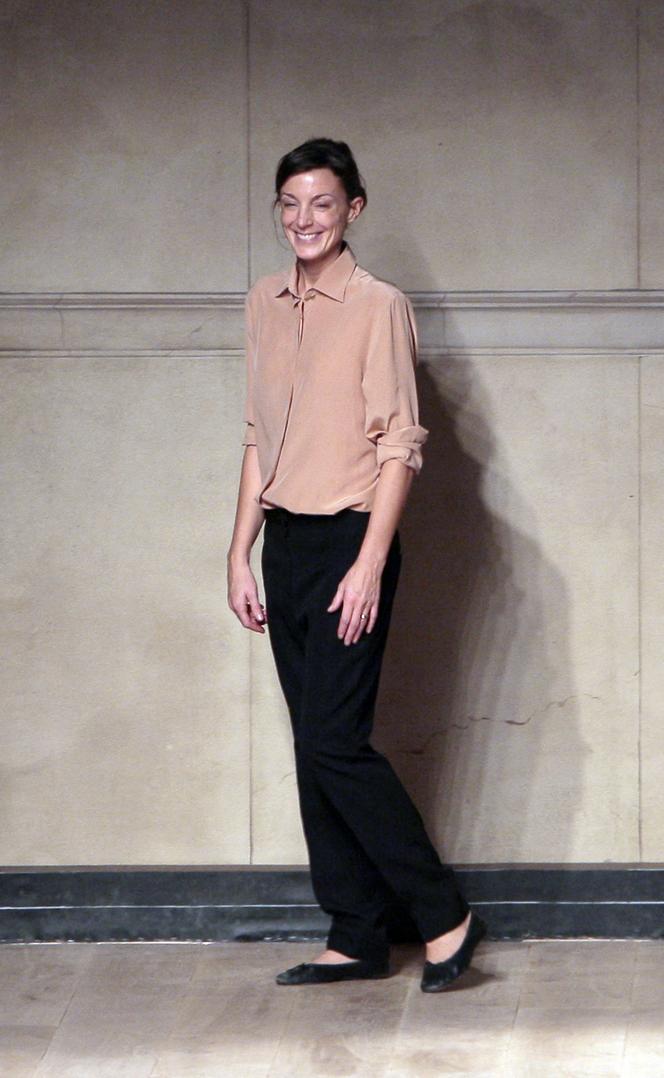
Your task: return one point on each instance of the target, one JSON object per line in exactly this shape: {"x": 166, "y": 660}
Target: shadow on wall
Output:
{"x": 477, "y": 707}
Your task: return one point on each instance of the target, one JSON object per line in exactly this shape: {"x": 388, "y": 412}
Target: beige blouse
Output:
{"x": 330, "y": 386}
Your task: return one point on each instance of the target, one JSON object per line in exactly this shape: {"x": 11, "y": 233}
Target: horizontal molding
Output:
{"x": 120, "y": 301}
{"x": 629, "y": 322}
{"x": 618, "y": 298}
{"x": 121, "y": 353}
{"x": 118, "y": 903}
{"x": 426, "y": 355}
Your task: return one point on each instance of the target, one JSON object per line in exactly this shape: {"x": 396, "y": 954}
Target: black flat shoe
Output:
{"x": 326, "y": 972}
{"x": 438, "y": 975}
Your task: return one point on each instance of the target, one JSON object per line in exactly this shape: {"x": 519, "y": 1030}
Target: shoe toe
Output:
{"x": 437, "y": 975}
{"x": 324, "y": 973}
{"x": 294, "y": 975}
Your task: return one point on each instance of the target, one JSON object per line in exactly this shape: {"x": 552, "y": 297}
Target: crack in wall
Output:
{"x": 421, "y": 749}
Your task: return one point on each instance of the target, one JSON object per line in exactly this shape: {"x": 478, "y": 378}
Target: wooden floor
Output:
{"x": 544, "y": 1009}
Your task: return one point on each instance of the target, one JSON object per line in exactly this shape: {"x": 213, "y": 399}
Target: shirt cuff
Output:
{"x": 404, "y": 444}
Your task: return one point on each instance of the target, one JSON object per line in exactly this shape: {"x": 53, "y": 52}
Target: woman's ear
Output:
{"x": 356, "y": 207}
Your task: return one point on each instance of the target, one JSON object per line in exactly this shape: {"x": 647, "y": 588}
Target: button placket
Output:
{"x": 299, "y": 302}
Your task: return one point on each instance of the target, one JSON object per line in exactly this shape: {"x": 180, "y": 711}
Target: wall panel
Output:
{"x": 126, "y": 683}
{"x": 651, "y": 132}
{"x": 124, "y": 133}
{"x": 652, "y": 596}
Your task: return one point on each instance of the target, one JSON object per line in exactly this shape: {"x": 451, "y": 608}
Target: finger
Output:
{"x": 362, "y": 625}
{"x": 250, "y": 613}
{"x": 354, "y": 624}
{"x": 248, "y": 621}
{"x": 345, "y": 618}
{"x": 372, "y": 617}
{"x": 258, "y": 621}
{"x": 257, "y": 610}
{"x": 338, "y": 596}
{"x": 342, "y": 627}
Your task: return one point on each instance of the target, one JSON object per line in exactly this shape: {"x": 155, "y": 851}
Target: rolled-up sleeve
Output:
{"x": 390, "y": 392}
{"x": 249, "y": 433}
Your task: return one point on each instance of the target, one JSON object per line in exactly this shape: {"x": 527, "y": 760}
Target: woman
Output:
{"x": 332, "y": 444}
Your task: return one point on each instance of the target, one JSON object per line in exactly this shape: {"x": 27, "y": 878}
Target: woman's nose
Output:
{"x": 304, "y": 216}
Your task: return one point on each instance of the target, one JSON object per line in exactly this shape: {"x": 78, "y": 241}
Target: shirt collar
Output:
{"x": 332, "y": 281}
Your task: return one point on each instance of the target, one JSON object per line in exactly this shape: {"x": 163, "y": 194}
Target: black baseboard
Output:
{"x": 601, "y": 901}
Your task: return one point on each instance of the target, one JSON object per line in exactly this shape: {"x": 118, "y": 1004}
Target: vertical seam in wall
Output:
{"x": 247, "y": 90}
{"x": 639, "y": 603}
{"x": 639, "y": 445}
{"x": 639, "y": 600}
{"x": 638, "y": 144}
{"x": 247, "y": 65}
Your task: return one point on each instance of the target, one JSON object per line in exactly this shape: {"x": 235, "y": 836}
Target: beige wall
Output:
{"x": 514, "y": 160}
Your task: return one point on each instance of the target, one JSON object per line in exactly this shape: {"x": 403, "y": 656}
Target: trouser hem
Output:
{"x": 454, "y": 916}
{"x": 369, "y": 950}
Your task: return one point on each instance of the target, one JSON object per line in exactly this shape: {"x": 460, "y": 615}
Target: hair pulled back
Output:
{"x": 322, "y": 153}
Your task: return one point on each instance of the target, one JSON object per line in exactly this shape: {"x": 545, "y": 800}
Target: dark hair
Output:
{"x": 322, "y": 153}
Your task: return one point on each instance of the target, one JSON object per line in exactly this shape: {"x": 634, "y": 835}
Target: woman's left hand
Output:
{"x": 358, "y": 593}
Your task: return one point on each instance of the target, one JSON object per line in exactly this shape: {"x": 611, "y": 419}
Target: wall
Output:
{"x": 514, "y": 159}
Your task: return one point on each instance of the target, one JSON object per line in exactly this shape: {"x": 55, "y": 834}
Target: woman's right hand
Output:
{"x": 243, "y": 597}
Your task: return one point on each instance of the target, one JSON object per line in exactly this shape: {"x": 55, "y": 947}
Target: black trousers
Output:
{"x": 365, "y": 838}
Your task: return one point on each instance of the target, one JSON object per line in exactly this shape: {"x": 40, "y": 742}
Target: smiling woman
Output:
{"x": 332, "y": 443}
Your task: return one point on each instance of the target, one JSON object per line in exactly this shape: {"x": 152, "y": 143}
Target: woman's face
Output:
{"x": 315, "y": 212}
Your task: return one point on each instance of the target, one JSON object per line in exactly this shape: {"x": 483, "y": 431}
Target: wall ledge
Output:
{"x": 620, "y": 298}
{"x": 623, "y": 321}
{"x": 266, "y": 902}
